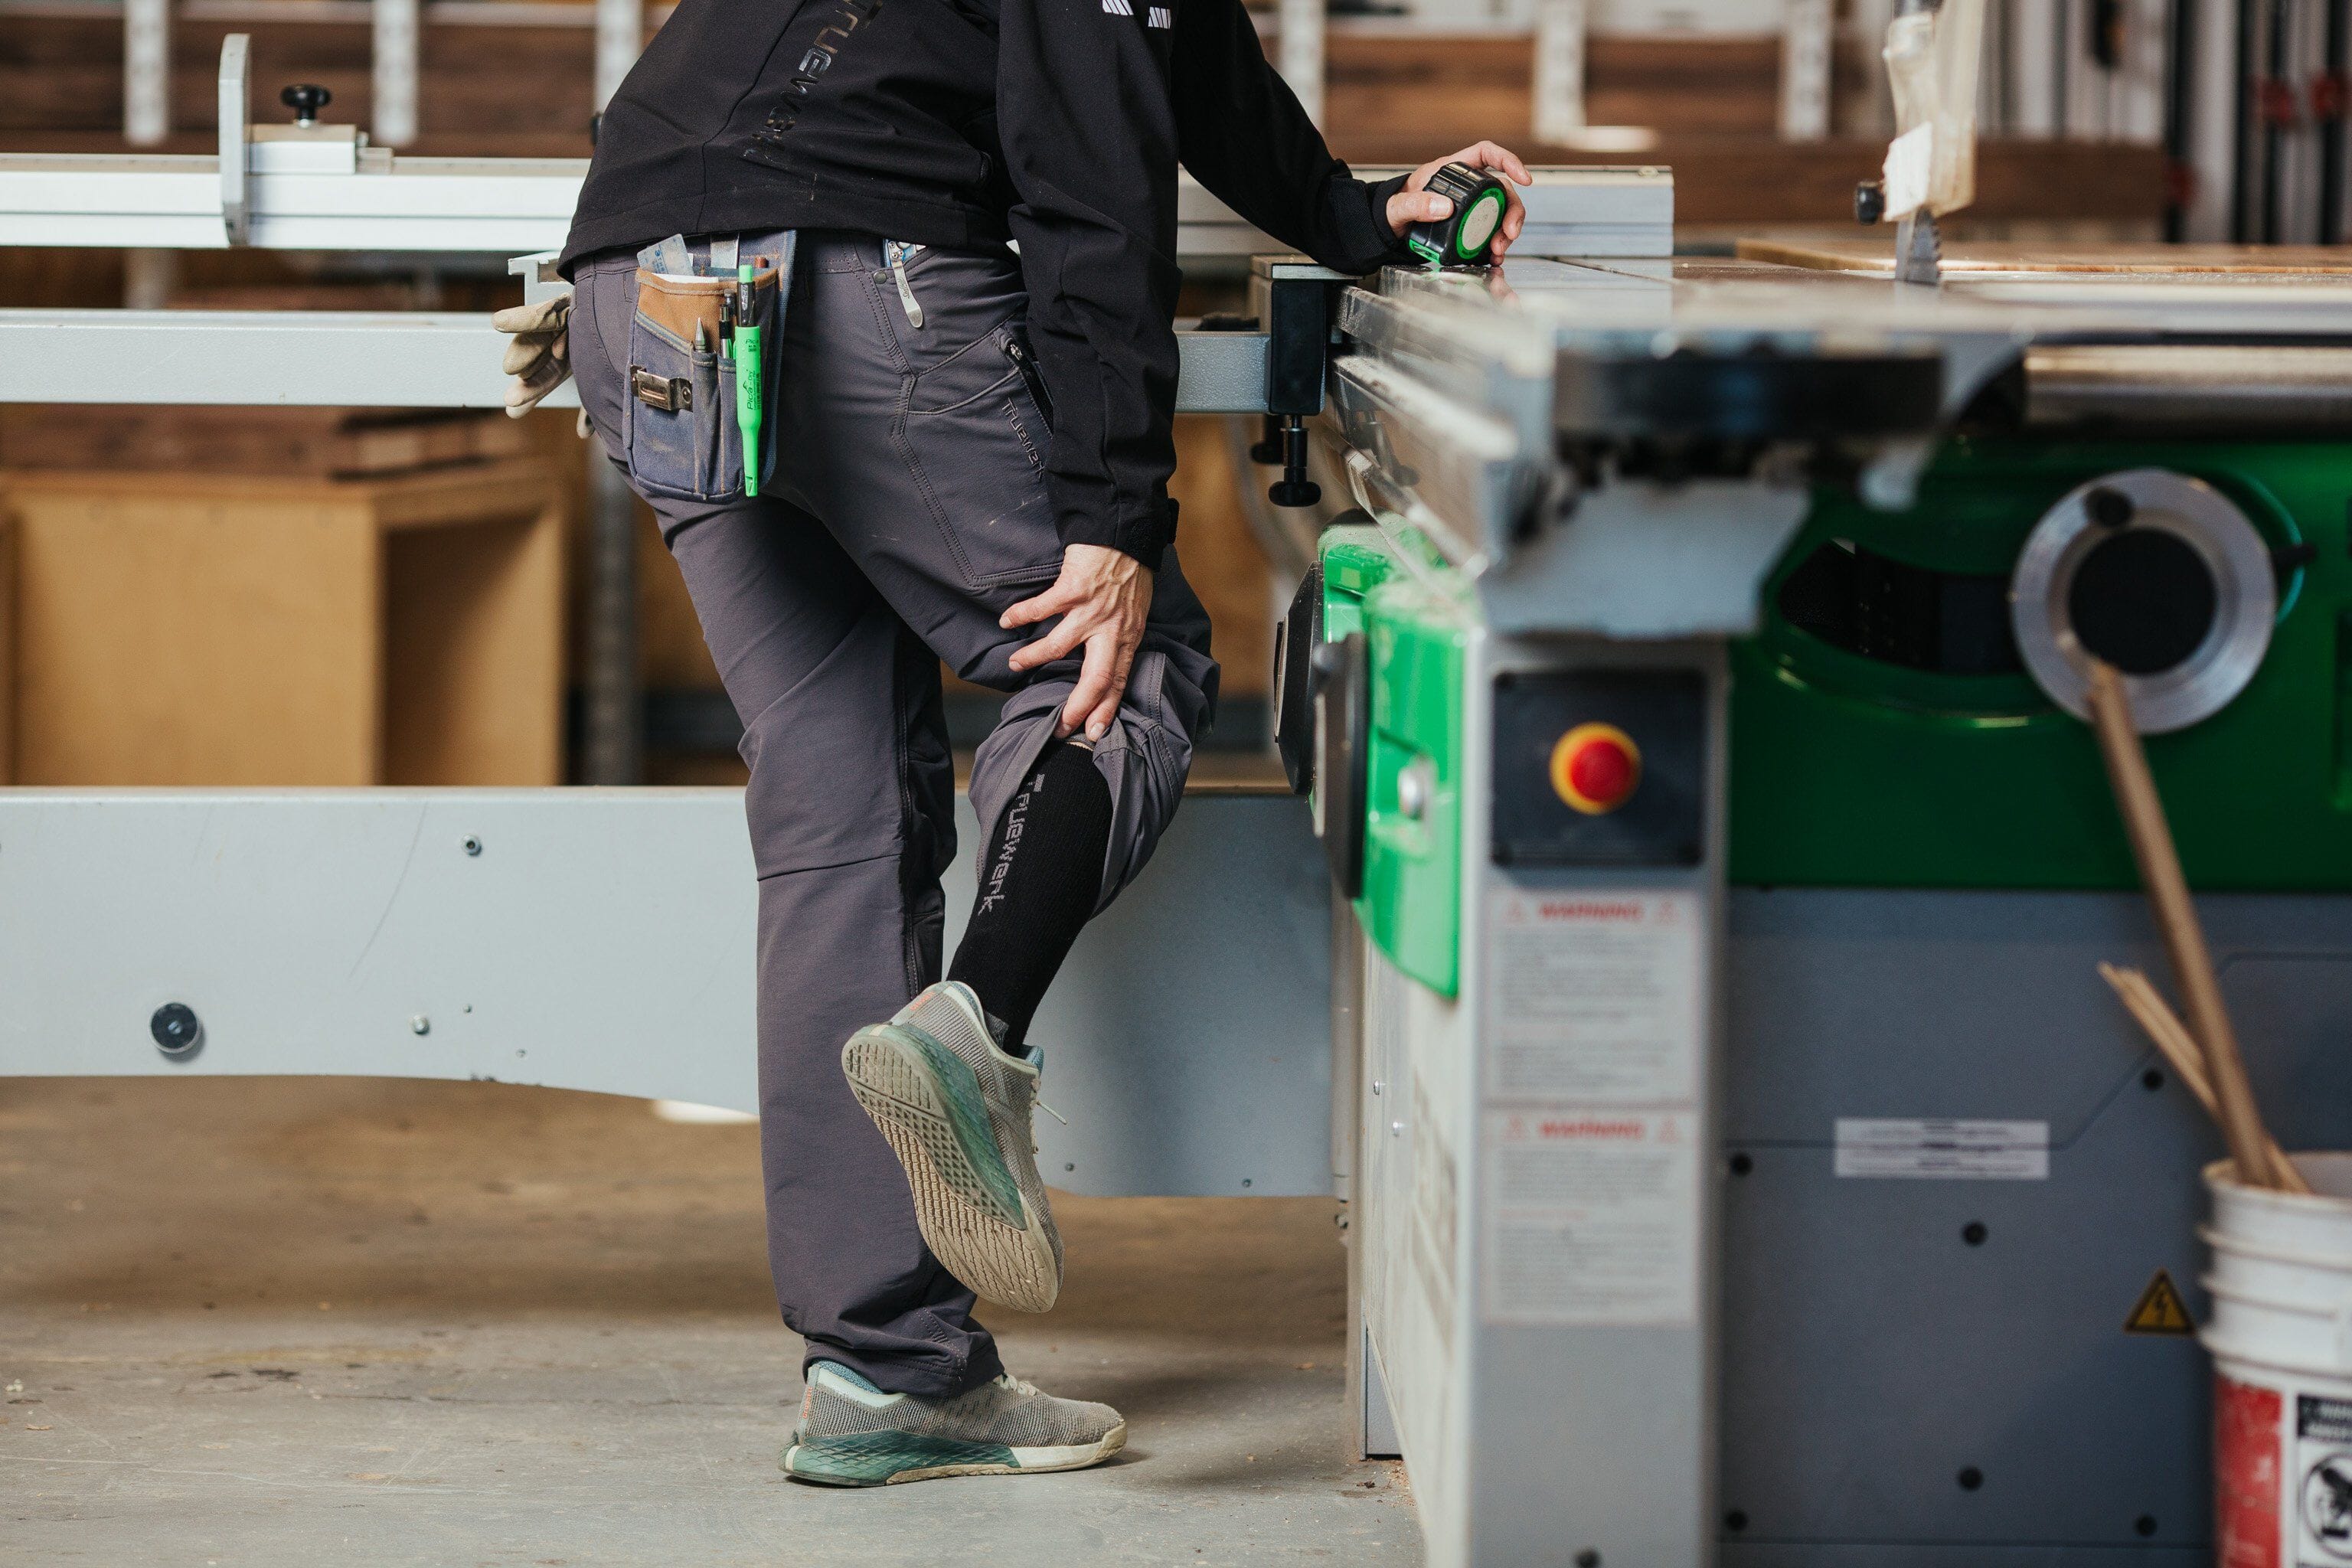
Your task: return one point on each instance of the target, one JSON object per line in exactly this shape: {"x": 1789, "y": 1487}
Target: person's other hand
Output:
{"x": 1412, "y": 204}
{"x": 539, "y": 354}
{"x": 1103, "y": 596}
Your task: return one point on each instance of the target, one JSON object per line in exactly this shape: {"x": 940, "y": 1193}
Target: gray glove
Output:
{"x": 539, "y": 357}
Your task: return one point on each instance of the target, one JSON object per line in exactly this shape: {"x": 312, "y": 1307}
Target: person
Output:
{"x": 970, "y": 207}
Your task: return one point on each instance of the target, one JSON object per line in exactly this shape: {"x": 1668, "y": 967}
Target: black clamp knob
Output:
{"x": 306, "y": 99}
{"x": 1870, "y": 202}
{"x": 1293, "y": 488}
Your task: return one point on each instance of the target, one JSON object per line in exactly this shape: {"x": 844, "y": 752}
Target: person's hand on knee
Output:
{"x": 1103, "y": 596}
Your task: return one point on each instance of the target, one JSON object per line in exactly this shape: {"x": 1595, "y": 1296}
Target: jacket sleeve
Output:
{"x": 1242, "y": 132}
{"x": 1087, "y": 120}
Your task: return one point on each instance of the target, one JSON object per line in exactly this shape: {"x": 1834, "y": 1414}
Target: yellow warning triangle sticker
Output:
{"x": 2159, "y": 1310}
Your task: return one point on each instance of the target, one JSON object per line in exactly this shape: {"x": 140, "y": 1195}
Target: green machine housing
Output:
{"x": 1883, "y": 732}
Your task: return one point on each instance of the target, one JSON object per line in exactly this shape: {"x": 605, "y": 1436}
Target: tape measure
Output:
{"x": 1480, "y": 199}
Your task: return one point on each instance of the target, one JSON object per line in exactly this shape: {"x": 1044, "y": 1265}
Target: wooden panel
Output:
{"x": 309, "y": 442}
{"x": 178, "y": 632}
{"x": 473, "y": 652}
{"x": 189, "y": 629}
{"x": 1221, "y": 559}
{"x": 1455, "y": 91}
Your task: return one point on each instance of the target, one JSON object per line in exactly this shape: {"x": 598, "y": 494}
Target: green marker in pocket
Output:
{"x": 744, "y": 345}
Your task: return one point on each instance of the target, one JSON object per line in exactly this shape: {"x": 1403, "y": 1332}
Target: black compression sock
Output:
{"x": 1038, "y": 885}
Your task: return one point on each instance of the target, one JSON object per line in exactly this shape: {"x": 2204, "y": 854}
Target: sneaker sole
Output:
{"x": 893, "y": 1458}
{"x": 927, "y": 1102}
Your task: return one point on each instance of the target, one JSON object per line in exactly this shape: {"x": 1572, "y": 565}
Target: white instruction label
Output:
{"x": 1592, "y": 1216}
{"x": 1593, "y": 996}
{"x": 1945, "y": 1151}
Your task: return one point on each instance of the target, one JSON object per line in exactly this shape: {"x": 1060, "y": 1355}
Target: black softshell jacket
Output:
{"x": 1054, "y": 123}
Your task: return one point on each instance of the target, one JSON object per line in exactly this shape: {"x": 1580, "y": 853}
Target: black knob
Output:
{"x": 1870, "y": 202}
{"x": 176, "y": 1029}
{"x": 2108, "y": 508}
{"x": 306, "y": 99}
{"x": 1293, "y": 492}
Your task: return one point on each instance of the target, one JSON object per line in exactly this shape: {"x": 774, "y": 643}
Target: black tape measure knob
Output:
{"x": 1480, "y": 201}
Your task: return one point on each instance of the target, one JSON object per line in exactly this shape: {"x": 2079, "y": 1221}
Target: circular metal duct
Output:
{"x": 2157, "y": 574}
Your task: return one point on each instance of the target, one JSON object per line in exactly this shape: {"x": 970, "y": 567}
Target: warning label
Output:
{"x": 1594, "y": 995}
{"x": 2323, "y": 1447}
{"x": 1591, "y": 1216}
{"x": 2159, "y": 1310}
{"x": 1938, "y": 1150}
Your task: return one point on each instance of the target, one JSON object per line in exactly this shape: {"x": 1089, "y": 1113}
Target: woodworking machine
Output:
{"x": 1745, "y": 1162}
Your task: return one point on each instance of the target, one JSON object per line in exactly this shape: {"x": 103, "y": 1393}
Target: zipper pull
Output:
{"x": 906, "y": 290}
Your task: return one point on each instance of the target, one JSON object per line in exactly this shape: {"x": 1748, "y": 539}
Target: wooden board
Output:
{"x": 1458, "y": 89}
{"x": 1876, "y": 255}
{"x": 203, "y": 629}
{"x": 285, "y": 442}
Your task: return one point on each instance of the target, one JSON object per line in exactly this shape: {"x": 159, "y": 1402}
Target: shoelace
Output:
{"x": 1021, "y": 1385}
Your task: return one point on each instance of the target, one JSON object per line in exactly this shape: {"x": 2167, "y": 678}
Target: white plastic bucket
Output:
{"x": 2281, "y": 1338}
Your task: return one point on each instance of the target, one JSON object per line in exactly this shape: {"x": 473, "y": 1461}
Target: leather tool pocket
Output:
{"x": 682, "y": 437}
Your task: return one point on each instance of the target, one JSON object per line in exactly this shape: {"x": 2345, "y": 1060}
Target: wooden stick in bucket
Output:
{"x": 2179, "y": 1048}
{"x": 2176, "y": 921}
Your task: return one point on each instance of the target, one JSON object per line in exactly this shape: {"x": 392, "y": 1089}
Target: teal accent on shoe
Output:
{"x": 967, "y": 1117}
{"x": 871, "y": 1458}
{"x": 848, "y": 1374}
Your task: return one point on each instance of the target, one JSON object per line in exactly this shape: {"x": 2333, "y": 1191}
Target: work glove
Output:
{"x": 539, "y": 357}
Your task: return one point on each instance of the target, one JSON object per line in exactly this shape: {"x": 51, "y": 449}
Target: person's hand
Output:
{"x": 1411, "y": 205}
{"x": 539, "y": 357}
{"x": 1102, "y": 596}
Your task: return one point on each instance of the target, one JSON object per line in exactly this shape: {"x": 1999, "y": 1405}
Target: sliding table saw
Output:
{"x": 1745, "y": 1162}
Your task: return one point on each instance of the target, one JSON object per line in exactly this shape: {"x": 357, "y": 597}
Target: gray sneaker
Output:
{"x": 853, "y": 1434}
{"x": 955, "y": 1107}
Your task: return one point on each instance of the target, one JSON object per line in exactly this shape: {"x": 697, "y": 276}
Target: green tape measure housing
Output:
{"x": 1480, "y": 201}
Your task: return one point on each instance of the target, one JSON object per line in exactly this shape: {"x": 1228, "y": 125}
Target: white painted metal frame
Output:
{"x": 398, "y": 45}
{"x": 603, "y": 939}
{"x": 146, "y": 71}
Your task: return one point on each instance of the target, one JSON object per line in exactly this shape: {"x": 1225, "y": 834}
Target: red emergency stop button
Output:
{"x": 1596, "y": 768}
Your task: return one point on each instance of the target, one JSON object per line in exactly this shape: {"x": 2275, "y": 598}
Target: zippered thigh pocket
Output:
{"x": 1015, "y": 339}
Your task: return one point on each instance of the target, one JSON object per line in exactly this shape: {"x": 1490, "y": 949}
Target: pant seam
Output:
{"x": 909, "y": 958}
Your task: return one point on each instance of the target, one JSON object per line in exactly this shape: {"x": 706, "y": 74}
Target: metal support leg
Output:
{"x": 1300, "y": 50}
{"x": 612, "y": 724}
{"x": 1805, "y": 71}
{"x": 396, "y": 45}
{"x": 1560, "y": 70}
{"x": 620, "y": 39}
{"x": 146, "y": 71}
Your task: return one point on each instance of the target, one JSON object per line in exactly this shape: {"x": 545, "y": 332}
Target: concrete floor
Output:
{"x": 305, "y": 1321}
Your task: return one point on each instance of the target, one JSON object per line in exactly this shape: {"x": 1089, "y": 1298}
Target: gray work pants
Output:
{"x": 907, "y": 511}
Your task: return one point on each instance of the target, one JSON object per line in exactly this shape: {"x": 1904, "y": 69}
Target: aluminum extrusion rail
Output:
{"x": 390, "y": 359}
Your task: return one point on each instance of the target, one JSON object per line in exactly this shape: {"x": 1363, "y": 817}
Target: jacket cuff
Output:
{"x": 1383, "y": 243}
{"x": 1146, "y": 535}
